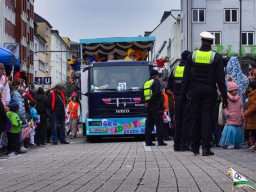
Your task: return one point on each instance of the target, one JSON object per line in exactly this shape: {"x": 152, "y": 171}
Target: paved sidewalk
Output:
{"x": 122, "y": 167}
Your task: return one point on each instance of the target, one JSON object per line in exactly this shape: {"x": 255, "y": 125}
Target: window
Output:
{"x": 27, "y": 38}
{"x": 42, "y": 66}
{"x": 247, "y": 38}
{"x": 47, "y": 31}
{"x": 46, "y": 49}
{"x": 217, "y": 40}
{"x": 231, "y": 15}
{"x": 57, "y": 42}
{"x": 181, "y": 5}
{"x": 35, "y": 48}
{"x": 41, "y": 46}
{"x": 198, "y": 15}
{"x": 46, "y": 67}
{"x": 181, "y": 46}
{"x": 181, "y": 25}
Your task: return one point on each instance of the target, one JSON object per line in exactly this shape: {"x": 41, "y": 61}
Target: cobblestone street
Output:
{"x": 122, "y": 166}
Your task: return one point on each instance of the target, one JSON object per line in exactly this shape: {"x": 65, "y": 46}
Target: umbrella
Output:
{"x": 8, "y": 58}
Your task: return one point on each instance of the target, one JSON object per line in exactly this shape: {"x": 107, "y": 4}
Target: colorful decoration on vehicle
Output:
{"x": 160, "y": 62}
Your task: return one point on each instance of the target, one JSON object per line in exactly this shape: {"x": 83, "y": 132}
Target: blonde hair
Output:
{"x": 2, "y": 66}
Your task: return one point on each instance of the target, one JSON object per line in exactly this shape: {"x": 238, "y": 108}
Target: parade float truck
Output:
{"x": 112, "y": 95}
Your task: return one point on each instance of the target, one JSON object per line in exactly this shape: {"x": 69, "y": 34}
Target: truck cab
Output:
{"x": 112, "y": 98}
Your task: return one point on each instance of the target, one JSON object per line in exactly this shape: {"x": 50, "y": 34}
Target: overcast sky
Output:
{"x": 85, "y": 19}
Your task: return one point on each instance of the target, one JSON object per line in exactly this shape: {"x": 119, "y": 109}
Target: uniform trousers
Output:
{"x": 203, "y": 97}
{"x": 154, "y": 117}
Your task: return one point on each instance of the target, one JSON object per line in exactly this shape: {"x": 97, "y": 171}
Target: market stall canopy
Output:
{"x": 117, "y": 46}
{"x": 8, "y": 58}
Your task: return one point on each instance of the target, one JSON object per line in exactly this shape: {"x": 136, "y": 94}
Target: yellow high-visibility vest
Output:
{"x": 203, "y": 57}
{"x": 179, "y": 71}
{"x": 147, "y": 89}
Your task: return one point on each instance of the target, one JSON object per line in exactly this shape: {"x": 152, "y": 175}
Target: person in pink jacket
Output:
{"x": 233, "y": 133}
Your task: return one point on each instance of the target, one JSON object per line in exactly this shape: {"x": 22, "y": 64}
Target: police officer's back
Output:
{"x": 182, "y": 113}
{"x": 204, "y": 68}
{"x": 152, "y": 94}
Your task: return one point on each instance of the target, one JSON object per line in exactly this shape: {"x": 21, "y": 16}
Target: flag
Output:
{"x": 239, "y": 180}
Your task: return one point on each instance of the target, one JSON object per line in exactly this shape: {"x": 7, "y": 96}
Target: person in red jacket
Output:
{"x": 57, "y": 105}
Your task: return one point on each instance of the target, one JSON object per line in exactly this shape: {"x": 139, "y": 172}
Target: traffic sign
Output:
{"x": 47, "y": 80}
{"x": 42, "y": 80}
{"x": 38, "y": 80}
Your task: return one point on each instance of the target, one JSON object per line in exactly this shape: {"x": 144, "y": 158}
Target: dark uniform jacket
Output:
{"x": 171, "y": 80}
{"x": 215, "y": 75}
{"x": 156, "y": 93}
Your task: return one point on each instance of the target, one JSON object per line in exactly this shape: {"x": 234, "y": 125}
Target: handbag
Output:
{"x": 166, "y": 118}
{"x": 221, "y": 118}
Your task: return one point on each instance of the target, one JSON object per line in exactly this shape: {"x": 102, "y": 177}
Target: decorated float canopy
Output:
{"x": 118, "y": 46}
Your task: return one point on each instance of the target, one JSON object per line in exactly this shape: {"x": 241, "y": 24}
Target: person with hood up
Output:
{"x": 130, "y": 55}
{"x": 41, "y": 129}
{"x": 232, "y": 134}
{"x": 182, "y": 113}
{"x": 233, "y": 70}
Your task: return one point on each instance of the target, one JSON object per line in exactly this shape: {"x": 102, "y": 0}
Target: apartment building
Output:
{"x": 44, "y": 44}
{"x": 59, "y": 66}
{"x": 223, "y": 19}
{"x": 24, "y": 35}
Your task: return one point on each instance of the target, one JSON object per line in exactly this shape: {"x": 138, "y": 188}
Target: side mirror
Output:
{"x": 164, "y": 74}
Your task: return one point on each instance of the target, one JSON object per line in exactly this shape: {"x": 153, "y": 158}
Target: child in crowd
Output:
{"x": 13, "y": 134}
{"x": 34, "y": 117}
{"x": 250, "y": 113}
{"x": 232, "y": 134}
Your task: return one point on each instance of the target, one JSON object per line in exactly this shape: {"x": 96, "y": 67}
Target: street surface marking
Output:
{"x": 146, "y": 148}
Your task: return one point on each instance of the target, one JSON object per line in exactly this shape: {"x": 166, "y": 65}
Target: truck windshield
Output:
{"x": 118, "y": 78}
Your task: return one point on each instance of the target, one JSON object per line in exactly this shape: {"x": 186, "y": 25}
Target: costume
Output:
{"x": 128, "y": 57}
{"x": 233, "y": 133}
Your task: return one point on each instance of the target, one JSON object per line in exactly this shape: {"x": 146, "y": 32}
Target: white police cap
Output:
{"x": 207, "y": 36}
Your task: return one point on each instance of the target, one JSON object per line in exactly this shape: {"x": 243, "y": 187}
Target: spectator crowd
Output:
{"x": 30, "y": 117}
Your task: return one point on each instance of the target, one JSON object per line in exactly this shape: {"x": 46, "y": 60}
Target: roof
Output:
{"x": 56, "y": 32}
{"x": 117, "y": 46}
{"x": 117, "y": 39}
{"x": 165, "y": 15}
{"x": 39, "y": 19}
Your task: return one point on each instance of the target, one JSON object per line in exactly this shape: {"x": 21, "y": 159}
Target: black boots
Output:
{"x": 207, "y": 151}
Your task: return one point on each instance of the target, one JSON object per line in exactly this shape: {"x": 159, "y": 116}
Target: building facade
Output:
{"x": 9, "y": 24}
{"x": 24, "y": 35}
{"x": 163, "y": 31}
{"x": 222, "y": 18}
{"x": 44, "y": 35}
{"x": 59, "y": 60}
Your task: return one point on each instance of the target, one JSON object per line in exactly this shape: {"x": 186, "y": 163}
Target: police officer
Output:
{"x": 182, "y": 113}
{"x": 152, "y": 94}
{"x": 204, "y": 68}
